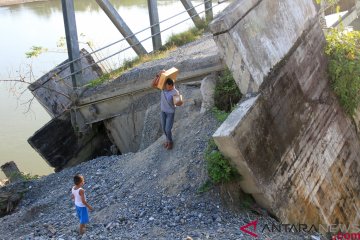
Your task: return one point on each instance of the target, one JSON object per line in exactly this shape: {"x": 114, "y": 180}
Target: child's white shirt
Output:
{"x": 77, "y": 197}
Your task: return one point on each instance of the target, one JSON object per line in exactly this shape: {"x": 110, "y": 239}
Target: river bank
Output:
{"x": 14, "y": 2}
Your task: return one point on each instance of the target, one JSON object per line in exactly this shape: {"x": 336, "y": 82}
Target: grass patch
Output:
{"x": 343, "y": 50}
{"x": 220, "y": 115}
{"x": 219, "y": 168}
{"x": 247, "y": 201}
{"x": 206, "y": 186}
{"x": 227, "y": 95}
{"x": 180, "y": 39}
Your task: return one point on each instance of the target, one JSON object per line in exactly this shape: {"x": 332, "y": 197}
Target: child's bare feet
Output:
{"x": 82, "y": 229}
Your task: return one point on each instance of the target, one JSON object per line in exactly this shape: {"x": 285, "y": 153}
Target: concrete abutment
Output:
{"x": 298, "y": 153}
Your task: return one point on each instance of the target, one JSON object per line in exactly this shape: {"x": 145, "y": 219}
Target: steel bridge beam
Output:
{"x": 122, "y": 26}
{"x": 192, "y": 12}
{"x": 72, "y": 40}
{"x": 208, "y": 10}
{"x": 75, "y": 66}
{"x": 154, "y": 22}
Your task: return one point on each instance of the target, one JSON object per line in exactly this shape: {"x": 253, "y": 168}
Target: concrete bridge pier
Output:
{"x": 11, "y": 171}
{"x": 297, "y": 150}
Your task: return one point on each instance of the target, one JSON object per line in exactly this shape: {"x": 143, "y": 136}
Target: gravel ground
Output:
{"x": 151, "y": 194}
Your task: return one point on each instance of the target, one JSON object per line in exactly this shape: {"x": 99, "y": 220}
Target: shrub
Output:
{"x": 35, "y": 51}
{"x": 24, "y": 176}
{"x": 219, "y": 168}
{"x": 227, "y": 93}
{"x": 28, "y": 176}
{"x": 343, "y": 50}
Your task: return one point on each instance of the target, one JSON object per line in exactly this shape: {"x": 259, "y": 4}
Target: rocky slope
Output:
{"x": 151, "y": 194}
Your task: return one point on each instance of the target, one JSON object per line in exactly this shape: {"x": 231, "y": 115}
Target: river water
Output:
{"x": 41, "y": 24}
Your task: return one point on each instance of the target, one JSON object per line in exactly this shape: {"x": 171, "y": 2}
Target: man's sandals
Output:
{"x": 168, "y": 145}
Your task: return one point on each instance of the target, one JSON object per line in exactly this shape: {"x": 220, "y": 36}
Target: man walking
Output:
{"x": 168, "y": 111}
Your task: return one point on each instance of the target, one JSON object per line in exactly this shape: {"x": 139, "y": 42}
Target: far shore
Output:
{"x": 14, "y": 2}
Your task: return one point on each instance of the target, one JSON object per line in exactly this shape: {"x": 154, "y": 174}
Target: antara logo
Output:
{"x": 251, "y": 224}
{"x": 276, "y": 228}
{"x": 342, "y": 231}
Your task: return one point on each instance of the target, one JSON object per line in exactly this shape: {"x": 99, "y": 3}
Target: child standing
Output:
{"x": 78, "y": 196}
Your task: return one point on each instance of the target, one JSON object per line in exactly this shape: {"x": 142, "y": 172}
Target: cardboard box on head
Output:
{"x": 171, "y": 73}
